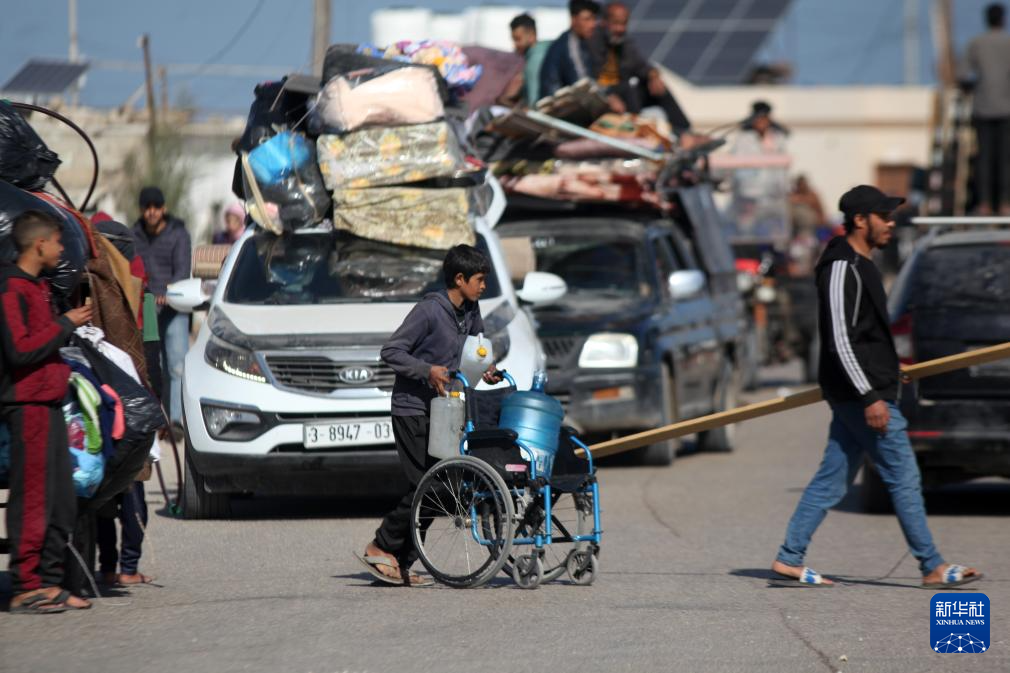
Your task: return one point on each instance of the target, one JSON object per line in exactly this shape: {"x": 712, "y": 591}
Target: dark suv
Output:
{"x": 651, "y": 325}
{"x": 952, "y": 296}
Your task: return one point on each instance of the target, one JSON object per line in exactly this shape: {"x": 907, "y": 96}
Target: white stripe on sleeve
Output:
{"x": 847, "y": 357}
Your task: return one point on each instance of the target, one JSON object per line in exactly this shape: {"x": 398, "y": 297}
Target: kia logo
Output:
{"x": 356, "y": 375}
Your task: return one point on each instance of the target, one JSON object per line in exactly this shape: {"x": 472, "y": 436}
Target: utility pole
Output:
{"x": 163, "y": 86}
{"x": 320, "y": 34}
{"x": 74, "y": 53}
{"x": 145, "y": 45}
{"x": 911, "y": 42}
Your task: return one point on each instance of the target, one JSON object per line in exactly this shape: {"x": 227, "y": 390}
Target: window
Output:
{"x": 336, "y": 267}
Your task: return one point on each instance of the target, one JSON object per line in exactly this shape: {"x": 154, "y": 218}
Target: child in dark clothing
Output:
{"x": 422, "y": 351}
{"x": 33, "y": 382}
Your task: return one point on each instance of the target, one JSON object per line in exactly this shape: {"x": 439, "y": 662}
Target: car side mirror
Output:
{"x": 686, "y": 284}
{"x": 192, "y": 294}
{"x": 540, "y": 287}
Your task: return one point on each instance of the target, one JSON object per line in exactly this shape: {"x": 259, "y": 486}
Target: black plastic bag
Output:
{"x": 273, "y": 108}
{"x": 67, "y": 275}
{"x": 25, "y": 161}
{"x": 294, "y": 187}
{"x": 141, "y": 409}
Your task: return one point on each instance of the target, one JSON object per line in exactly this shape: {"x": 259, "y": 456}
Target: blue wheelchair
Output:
{"x": 501, "y": 505}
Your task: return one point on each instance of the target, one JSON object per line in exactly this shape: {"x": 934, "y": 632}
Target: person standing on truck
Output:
{"x": 422, "y": 351}
{"x": 42, "y": 507}
{"x": 859, "y": 375}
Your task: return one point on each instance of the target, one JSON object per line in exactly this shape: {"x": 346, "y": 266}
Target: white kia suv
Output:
{"x": 284, "y": 391}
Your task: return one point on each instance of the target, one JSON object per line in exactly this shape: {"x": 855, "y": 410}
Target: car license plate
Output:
{"x": 359, "y": 432}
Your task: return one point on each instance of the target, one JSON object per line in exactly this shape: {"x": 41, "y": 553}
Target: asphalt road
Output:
{"x": 683, "y": 586}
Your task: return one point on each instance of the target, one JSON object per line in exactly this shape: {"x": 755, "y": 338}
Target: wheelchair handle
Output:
{"x": 458, "y": 375}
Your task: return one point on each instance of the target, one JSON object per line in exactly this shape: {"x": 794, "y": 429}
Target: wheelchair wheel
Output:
{"x": 571, "y": 516}
{"x": 582, "y": 566}
{"x": 528, "y": 571}
{"x": 462, "y": 522}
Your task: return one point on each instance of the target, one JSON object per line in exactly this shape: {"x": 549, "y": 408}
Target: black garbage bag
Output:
{"x": 25, "y": 161}
{"x": 287, "y": 176}
{"x": 67, "y": 275}
{"x": 273, "y": 107}
{"x": 141, "y": 409}
{"x": 297, "y": 188}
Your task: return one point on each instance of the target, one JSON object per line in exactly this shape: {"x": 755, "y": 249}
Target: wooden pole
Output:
{"x": 803, "y": 398}
{"x": 152, "y": 123}
{"x": 320, "y": 34}
{"x": 163, "y": 87}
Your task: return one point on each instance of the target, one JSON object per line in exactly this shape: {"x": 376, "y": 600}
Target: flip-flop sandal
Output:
{"x": 144, "y": 579}
{"x": 65, "y": 596}
{"x": 371, "y": 561}
{"x": 808, "y": 578}
{"x": 40, "y": 605}
{"x": 953, "y": 576}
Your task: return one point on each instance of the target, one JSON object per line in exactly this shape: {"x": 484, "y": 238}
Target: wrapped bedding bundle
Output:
{"x": 379, "y": 97}
{"x": 382, "y": 156}
{"x": 413, "y": 216}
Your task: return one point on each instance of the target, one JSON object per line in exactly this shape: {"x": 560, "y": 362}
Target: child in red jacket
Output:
{"x": 33, "y": 381}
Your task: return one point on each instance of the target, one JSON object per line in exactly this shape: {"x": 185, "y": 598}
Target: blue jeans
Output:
{"x": 174, "y": 328}
{"x": 848, "y": 438}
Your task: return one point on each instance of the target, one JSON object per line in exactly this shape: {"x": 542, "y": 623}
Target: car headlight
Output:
{"x": 230, "y": 424}
{"x": 233, "y": 360}
{"x": 609, "y": 350}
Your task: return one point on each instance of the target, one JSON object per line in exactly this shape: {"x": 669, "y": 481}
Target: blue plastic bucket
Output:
{"x": 536, "y": 418}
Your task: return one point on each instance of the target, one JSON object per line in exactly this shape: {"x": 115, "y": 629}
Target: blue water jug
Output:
{"x": 536, "y": 418}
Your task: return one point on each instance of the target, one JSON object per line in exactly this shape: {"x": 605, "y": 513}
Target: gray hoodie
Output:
{"x": 430, "y": 335}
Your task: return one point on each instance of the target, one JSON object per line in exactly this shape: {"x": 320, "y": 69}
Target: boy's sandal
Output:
{"x": 39, "y": 604}
{"x": 371, "y": 563}
{"x": 808, "y": 578}
{"x": 65, "y": 597}
{"x": 954, "y": 576}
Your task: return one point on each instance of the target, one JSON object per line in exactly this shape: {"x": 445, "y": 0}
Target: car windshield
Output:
{"x": 601, "y": 263}
{"x": 970, "y": 276}
{"x": 336, "y": 267}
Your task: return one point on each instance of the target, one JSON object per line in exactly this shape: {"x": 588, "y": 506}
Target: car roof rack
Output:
{"x": 947, "y": 224}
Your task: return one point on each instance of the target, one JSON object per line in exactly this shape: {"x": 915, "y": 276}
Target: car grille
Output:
{"x": 557, "y": 349}
{"x": 319, "y": 374}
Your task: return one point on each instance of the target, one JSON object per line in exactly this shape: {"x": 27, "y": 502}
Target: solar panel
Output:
{"x": 705, "y": 41}
{"x": 44, "y": 77}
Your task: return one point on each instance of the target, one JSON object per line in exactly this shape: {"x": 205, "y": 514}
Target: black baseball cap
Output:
{"x": 151, "y": 196}
{"x": 866, "y": 199}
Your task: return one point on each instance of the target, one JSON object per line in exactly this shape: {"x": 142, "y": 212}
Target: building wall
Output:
{"x": 839, "y": 135}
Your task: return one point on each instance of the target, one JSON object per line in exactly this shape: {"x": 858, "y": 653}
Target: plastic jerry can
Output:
{"x": 477, "y": 356}
{"x": 536, "y": 418}
{"x": 445, "y": 430}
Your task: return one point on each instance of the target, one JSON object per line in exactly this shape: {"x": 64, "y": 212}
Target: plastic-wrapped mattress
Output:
{"x": 383, "y": 156}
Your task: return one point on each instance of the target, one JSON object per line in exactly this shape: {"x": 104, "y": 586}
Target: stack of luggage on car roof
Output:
{"x": 393, "y": 144}
{"x": 377, "y": 151}
{"x": 110, "y": 412}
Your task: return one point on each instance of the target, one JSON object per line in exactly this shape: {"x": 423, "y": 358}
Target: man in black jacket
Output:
{"x": 859, "y": 375}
